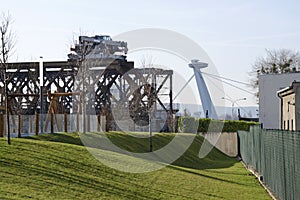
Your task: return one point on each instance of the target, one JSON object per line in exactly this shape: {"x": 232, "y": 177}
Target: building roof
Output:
{"x": 288, "y": 90}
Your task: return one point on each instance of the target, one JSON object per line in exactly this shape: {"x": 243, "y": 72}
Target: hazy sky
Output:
{"x": 233, "y": 32}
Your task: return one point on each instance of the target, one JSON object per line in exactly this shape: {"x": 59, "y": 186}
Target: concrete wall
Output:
{"x": 269, "y": 102}
{"x": 227, "y": 142}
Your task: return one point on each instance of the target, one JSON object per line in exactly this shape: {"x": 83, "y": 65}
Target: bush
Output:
{"x": 189, "y": 125}
{"x": 234, "y": 126}
{"x": 203, "y": 124}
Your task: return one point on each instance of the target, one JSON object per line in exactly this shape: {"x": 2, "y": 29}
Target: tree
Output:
{"x": 275, "y": 62}
{"x": 142, "y": 104}
{"x": 79, "y": 54}
{"x": 6, "y": 47}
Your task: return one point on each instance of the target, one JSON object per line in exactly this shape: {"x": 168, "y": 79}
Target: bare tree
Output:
{"x": 82, "y": 53}
{"x": 142, "y": 105}
{"x": 275, "y": 62}
{"x": 6, "y": 47}
{"x": 81, "y": 50}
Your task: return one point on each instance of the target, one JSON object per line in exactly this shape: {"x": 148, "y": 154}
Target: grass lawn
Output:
{"x": 57, "y": 166}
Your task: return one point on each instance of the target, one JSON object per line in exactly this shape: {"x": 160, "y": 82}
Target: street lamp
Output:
{"x": 233, "y": 102}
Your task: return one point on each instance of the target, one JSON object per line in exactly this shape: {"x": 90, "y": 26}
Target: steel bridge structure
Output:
{"x": 97, "y": 85}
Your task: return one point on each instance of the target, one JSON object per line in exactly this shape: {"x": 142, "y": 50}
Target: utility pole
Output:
{"x": 41, "y": 68}
{"x": 150, "y": 133}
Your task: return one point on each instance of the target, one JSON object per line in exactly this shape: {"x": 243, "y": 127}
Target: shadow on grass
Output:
{"x": 68, "y": 138}
{"x": 190, "y": 159}
{"x": 82, "y": 179}
{"x": 214, "y": 160}
{"x": 204, "y": 175}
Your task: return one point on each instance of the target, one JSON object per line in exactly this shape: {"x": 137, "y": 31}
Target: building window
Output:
{"x": 292, "y": 125}
{"x": 288, "y": 106}
{"x": 288, "y": 124}
{"x": 284, "y": 125}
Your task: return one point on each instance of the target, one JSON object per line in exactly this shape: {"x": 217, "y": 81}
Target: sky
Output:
{"x": 234, "y": 33}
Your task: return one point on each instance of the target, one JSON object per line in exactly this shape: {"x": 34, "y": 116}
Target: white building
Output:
{"x": 290, "y": 98}
{"x": 269, "y": 102}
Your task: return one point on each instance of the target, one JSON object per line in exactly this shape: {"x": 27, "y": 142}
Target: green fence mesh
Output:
{"x": 275, "y": 155}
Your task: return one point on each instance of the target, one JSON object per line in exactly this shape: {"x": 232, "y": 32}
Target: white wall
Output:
{"x": 269, "y": 102}
{"x": 226, "y": 142}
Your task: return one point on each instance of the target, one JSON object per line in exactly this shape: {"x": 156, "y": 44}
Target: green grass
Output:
{"x": 57, "y": 166}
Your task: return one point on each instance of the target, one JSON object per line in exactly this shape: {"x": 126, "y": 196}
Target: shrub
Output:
{"x": 203, "y": 124}
{"x": 234, "y": 126}
{"x": 189, "y": 125}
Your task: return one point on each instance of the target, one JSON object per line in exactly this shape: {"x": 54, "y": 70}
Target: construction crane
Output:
{"x": 98, "y": 47}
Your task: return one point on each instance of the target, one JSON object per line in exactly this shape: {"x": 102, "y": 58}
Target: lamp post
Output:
{"x": 233, "y": 102}
{"x": 41, "y": 68}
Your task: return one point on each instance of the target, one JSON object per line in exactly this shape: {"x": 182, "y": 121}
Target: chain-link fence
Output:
{"x": 275, "y": 155}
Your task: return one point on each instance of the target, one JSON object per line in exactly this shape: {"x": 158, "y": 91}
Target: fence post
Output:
{"x": 107, "y": 124}
{"x": 88, "y": 123}
{"x": 99, "y": 122}
{"x": 1, "y": 125}
{"x": 19, "y": 125}
{"x": 30, "y": 124}
{"x": 77, "y": 122}
{"x": 238, "y": 145}
{"x": 37, "y": 120}
{"x": 52, "y": 123}
{"x": 66, "y": 122}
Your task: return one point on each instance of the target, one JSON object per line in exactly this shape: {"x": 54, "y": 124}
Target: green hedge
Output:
{"x": 187, "y": 124}
{"x": 193, "y": 125}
